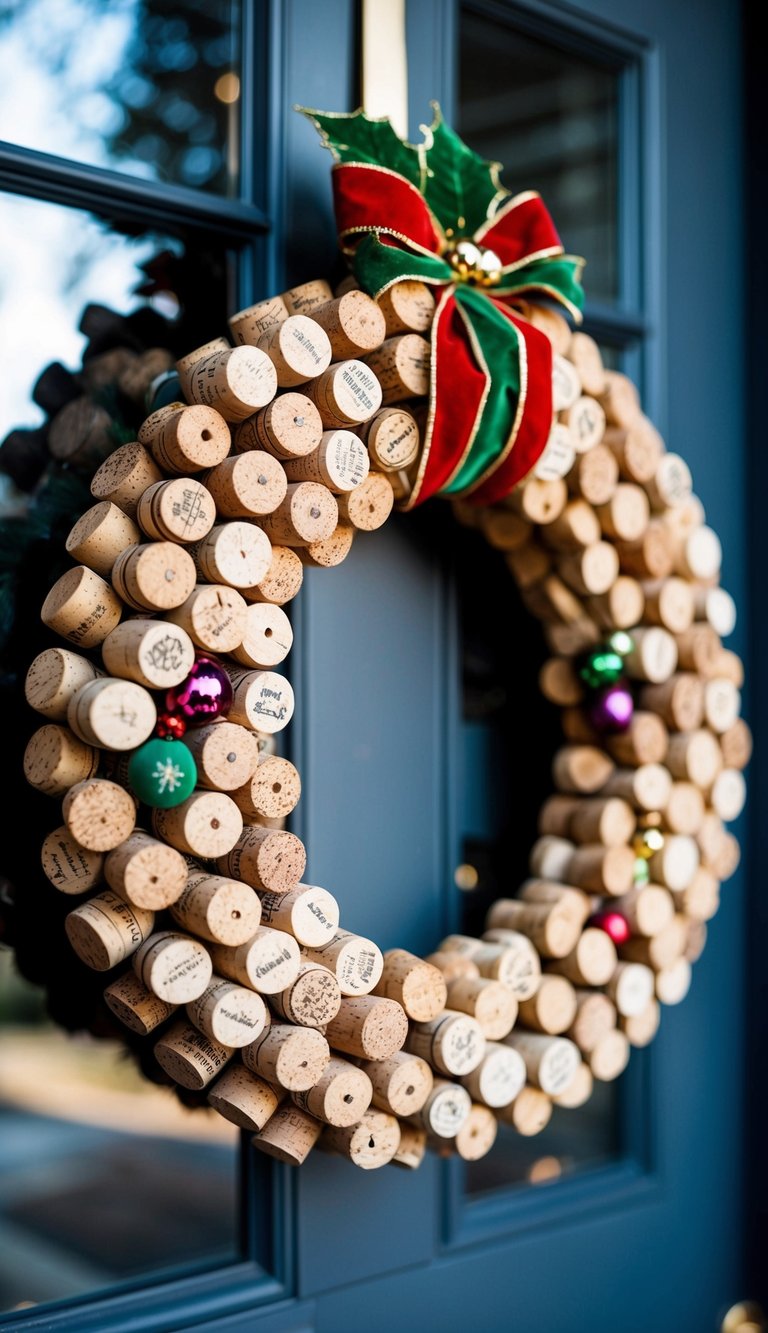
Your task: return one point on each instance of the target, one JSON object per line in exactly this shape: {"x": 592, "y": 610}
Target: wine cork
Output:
{"x": 728, "y": 795}
{"x": 99, "y": 536}
{"x": 574, "y": 529}
{"x": 226, "y": 755}
{"x": 637, "y": 449}
{"x": 550, "y": 1062}
{"x": 189, "y": 1057}
{"x": 551, "y": 323}
{"x": 289, "y": 427}
{"x": 669, "y": 603}
{"x": 80, "y": 433}
{"x": 368, "y": 507}
{"x": 579, "y": 1089}
{"x": 354, "y": 324}
{"x": 213, "y": 616}
{"x": 174, "y": 967}
{"x": 262, "y": 700}
{"x": 684, "y": 518}
{"x": 498, "y": 1078}
{"x": 685, "y": 809}
{"x": 312, "y": 1000}
{"x": 679, "y": 701}
{"x": 55, "y": 760}
{"x": 552, "y": 1008}
{"x": 566, "y": 385}
{"x": 307, "y": 297}
{"x": 610, "y": 1056}
{"x": 446, "y": 1109}
{"x": 478, "y": 1135}
{"x": 52, "y": 679}
{"x": 237, "y": 554}
{"x": 698, "y": 649}
{"x": 558, "y": 454}
{"x": 124, "y": 476}
{"x": 508, "y": 957}
{"x": 591, "y": 571}
{"x": 416, "y": 985}
{"x": 341, "y": 1095}
{"x": 223, "y": 911}
{"x": 340, "y": 462}
{"x": 626, "y": 515}
{"x": 529, "y": 1113}
{"x": 407, "y": 307}
{"x": 272, "y": 791}
{"x": 392, "y": 438}
{"x": 453, "y": 1043}
{"x": 647, "y": 909}
{"x": 676, "y": 863}
{"x": 186, "y": 364}
{"x": 646, "y": 787}
{"x": 135, "y": 1006}
{"x": 243, "y": 1098}
{"x": 289, "y": 1135}
{"x": 368, "y": 1026}
{"x": 552, "y": 928}
{"x": 630, "y": 988}
{"x": 267, "y": 638}
{"x": 355, "y": 961}
{"x": 552, "y": 600}
{"x": 154, "y": 577}
{"x": 651, "y": 557}
{"x": 81, "y": 607}
{"x": 594, "y": 475}
{"x": 208, "y": 824}
{"x": 227, "y": 1013}
{"x": 235, "y": 382}
{"x": 645, "y": 740}
{"x": 729, "y": 666}
{"x": 370, "y": 1144}
{"x": 585, "y": 420}
{"x": 671, "y": 483}
{"x": 529, "y": 565}
{"x": 181, "y": 510}
{"x": 250, "y": 324}
{"x": 455, "y": 965}
{"x": 722, "y": 704}
{"x": 620, "y": 399}
{"x": 556, "y": 814}
{"x": 700, "y": 899}
{"x": 736, "y": 745}
{"x": 602, "y": 819}
{"x": 502, "y": 529}
{"x": 550, "y": 857}
{"x": 594, "y": 1017}
{"x": 247, "y": 485}
{"x": 283, "y": 578}
{"x": 112, "y": 714}
{"x": 540, "y": 502}
{"x": 309, "y": 913}
{"x": 331, "y": 552}
{"x": 309, "y": 513}
{"x": 268, "y": 962}
{"x": 490, "y": 1003}
{"x": 659, "y": 950}
{"x": 590, "y": 963}
{"x": 146, "y": 872}
{"x": 183, "y": 439}
{"x": 581, "y": 768}
{"x": 621, "y": 607}
{"x": 268, "y": 859}
{"x": 674, "y": 981}
{"x": 559, "y": 682}
{"x": 106, "y": 930}
{"x": 151, "y": 653}
{"x": 295, "y": 1058}
{"x": 347, "y": 394}
{"x": 694, "y": 756}
{"x": 69, "y": 867}
{"x": 142, "y": 372}
{"x": 699, "y": 555}
{"x": 99, "y": 814}
{"x": 400, "y": 1084}
{"x": 716, "y": 607}
{"x": 640, "y": 1029}
{"x": 402, "y": 367}
{"x": 298, "y": 348}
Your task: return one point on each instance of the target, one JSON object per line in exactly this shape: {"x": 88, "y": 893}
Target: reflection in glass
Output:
{"x": 509, "y": 736}
{"x": 102, "y": 1175}
{"x": 148, "y": 87}
{"x": 551, "y": 117}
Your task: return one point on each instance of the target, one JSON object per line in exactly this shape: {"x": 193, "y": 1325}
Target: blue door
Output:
{"x": 630, "y": 1213}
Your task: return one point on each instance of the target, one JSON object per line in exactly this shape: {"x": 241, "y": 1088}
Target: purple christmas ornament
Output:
{"x": 612, "y": 708}
{"x": 205, "y": 695}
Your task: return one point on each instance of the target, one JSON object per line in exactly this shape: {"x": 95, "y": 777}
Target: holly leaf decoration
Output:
{"x": 460, "y": 187}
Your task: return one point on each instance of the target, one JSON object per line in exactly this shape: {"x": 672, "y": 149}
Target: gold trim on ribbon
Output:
{"x": 484, "y": 399}
{"x": 388, "y": 171}
{"x": 419, "y": 478}
{"x": 509, "y": 207}
{"x": 516, "y": 424}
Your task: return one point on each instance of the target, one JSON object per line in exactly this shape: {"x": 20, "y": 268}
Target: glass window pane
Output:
{"x": 147, "y": 87}
{"x": 551, "y": 117}
{"x": 510, "y": 734}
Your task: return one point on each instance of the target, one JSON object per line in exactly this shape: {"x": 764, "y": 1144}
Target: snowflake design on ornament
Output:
{"x": 168, "y": 776}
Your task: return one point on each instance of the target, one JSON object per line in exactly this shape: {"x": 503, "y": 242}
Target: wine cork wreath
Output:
{"x": 163, "y": 707}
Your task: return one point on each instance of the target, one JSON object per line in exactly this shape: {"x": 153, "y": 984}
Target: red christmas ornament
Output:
{"x": 170, "y": 727}
{"x": 205, "y": 695}
{"x": 614, "y": 924}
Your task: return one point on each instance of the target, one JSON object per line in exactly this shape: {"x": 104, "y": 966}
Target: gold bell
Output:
{"x": 471, "y": 264}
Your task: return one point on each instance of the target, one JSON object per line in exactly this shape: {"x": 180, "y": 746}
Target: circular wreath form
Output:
{"x": 232, "y": 976}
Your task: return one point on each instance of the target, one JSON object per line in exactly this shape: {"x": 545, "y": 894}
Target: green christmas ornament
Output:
{"x": 162, "y": 773}
{"x": 622, "y": 643}
{"x": 602, "y": 667}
